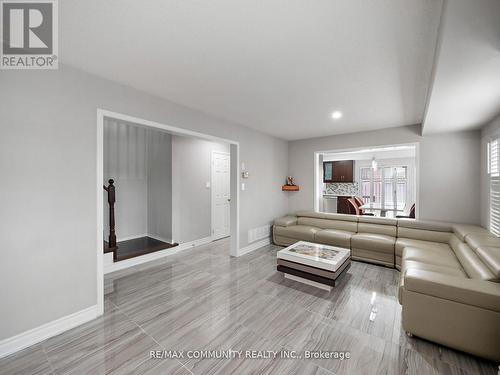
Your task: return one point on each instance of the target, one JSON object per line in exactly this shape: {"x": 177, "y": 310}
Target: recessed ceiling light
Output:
{"x": 336, "y": 115}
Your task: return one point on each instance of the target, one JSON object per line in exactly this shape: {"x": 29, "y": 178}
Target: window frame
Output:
{"x": 493, "y": 170}
{"x": 395, "y": 180}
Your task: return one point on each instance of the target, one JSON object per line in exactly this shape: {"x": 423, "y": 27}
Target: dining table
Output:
{"x": 383, "y": 208}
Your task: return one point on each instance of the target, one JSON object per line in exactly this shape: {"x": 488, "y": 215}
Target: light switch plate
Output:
{"x": 242, "y": 186}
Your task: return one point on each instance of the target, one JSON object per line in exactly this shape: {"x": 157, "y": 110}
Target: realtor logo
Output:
{"x": 29, "y": 34}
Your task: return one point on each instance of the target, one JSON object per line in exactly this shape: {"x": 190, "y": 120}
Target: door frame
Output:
{"x": 234, "y": 186}
{"x": 212, "y": 216}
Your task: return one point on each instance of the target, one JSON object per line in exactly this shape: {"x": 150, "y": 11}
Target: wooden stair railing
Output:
{"x": 111, "y": 201}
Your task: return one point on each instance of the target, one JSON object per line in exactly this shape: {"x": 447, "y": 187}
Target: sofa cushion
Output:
{"x": 350, "y": 226}
{"x": 412, "y": 264}
{"x": 342, "y": 217}
{"x": 334, "y": 237}
{"x": 424, "y": 230}
{"x": 431, "y": 256}
{"x": 286, "y": 221}
{"x": 472, "y": 292}
{"x": 319, "y": 215}
{"x": 491, "y": 257}
{"x": 377, "y": 225}
{"x": 435, "y": 226}
{"x": 375, "y": 242}
{"x": 462, "y": 230}
{"x": 325, "y": 215}
{"x": 378, "y": 220}
{"x": 475, "y": 240}
{"x": 471, "y": 263}
{"x": 401, "y": 243}
{"x": 300, "y": 232}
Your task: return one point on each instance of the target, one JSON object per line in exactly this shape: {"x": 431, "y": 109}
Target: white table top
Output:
{"x": 315, "y": 255}
{"x": 383, "y": 207}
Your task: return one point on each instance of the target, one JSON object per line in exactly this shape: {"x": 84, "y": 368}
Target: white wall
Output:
{"x": 160, "y": 185}
{"x": 191, "y": 198}
{"x": 48, "y": 191}
{"x": 449, "y": 169}
{"x": 139, "y": 160}
{"x": 126, "y": 162}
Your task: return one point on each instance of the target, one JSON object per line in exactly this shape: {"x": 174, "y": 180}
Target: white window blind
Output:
{"x": 494, "y": 172}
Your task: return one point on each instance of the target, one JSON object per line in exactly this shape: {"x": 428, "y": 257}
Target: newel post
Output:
{"x": 111, "y": 200}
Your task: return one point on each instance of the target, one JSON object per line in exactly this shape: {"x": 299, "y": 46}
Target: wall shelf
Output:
{"x": 290, "y": 188}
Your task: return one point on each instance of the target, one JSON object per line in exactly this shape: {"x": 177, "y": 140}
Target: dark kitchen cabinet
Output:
{"x": 338, "y": 171}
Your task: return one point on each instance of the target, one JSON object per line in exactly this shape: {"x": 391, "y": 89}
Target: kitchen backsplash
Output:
{"x": 341, "y": 188}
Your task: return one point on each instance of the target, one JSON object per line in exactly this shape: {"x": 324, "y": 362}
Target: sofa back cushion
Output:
{"x": 350, "y": 226}
{"x": 475, "y": 240}
{"x": 471, "y": 262}
{"x": 491, "y": 257}
{"x": 318, "y": 215}
{"x": 377, "y": 225}
{"x": 424, "y": 230}
{"x": 462, "y": 230}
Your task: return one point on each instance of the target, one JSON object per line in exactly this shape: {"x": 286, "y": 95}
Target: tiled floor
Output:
{"x": 203, "y": 299}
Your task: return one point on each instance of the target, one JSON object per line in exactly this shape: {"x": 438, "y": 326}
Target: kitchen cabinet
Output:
{"x": 338, "y": 171}
{"x": 343, "y": 205}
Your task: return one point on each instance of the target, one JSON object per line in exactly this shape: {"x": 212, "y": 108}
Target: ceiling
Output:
{"x": 466, "y": 87}
{"x": 278, "y": 66}
{"x": 283, "y": 66}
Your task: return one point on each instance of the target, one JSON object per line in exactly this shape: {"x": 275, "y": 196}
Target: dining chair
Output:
{"x": 359, "y": 200}
{"x": 411, "y": 214}
{"x": 355, "y": 209}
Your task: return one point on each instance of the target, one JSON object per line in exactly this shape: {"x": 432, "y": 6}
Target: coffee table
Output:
{"x": 314, "y": 264}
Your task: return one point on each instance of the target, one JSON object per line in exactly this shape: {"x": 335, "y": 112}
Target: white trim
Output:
{"x": 191, "y": 244}
{"x": 132, "y": 237}
{"x": 317, "y": 184}
{"x": 235, "y": 199}
{"x": 33, "y": 336}
{"x": 171, "y": 129}
{"x": 212, "y": 197}
{"x": 159, "y": 238}
{"x": 135, "y": 236}
{"x": 127, "y": 263}
{"x": 308, "y": 282}
{"x": 100, "y": 213}
{"x": 417, "y": 180}
{"x": 254, "y": 246}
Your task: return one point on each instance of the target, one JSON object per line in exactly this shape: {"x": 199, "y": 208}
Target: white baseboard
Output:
{"x": 133, "y": 237}
{"x": 159, "y": 238}
{"x": 191, "y": 244}
{"x": 127, "y": 263}
{"x": 254, "y": 246}
{"x": 33, "y": 336}
{"x": 107, "y": 259}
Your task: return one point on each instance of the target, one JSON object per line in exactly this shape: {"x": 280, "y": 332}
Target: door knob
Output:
{"x": 229, "y": 199}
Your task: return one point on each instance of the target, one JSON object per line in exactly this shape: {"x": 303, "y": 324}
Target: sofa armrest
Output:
{"x": 286, "y": 221}
{"x": 479, "y": 293}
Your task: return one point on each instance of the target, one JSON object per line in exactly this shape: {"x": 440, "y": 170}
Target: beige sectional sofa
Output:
{"x": 450, "y": 273}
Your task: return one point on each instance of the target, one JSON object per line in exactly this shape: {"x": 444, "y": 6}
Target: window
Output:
{"x": 494, "y": 172}
{"x": 385, "y": 185}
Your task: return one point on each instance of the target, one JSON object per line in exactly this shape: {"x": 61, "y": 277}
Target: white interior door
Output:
{"x": 221, "y": 198}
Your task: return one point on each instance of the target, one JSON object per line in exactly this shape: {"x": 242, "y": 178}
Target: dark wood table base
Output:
{"x": 330, "y": 281}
